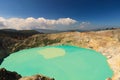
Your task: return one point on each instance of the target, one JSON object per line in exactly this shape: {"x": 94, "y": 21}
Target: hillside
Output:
{"x": 107, "y": 42}
{"x": 9, "y": 37}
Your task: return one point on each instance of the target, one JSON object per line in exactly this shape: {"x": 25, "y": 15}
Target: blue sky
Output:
{"x": 102, "y": 12}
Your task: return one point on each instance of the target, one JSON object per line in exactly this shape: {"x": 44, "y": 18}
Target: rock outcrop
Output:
{"x": 8, "y": 75}
{"x": 36, "y": 77}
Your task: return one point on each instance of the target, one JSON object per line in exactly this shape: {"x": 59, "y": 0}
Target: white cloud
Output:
{"x": 40, "y": 23}
{"x": 84, "y": 24}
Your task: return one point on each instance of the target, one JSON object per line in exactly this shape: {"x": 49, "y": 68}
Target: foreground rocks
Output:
{"x": 36, "y": 77}
{"x": 8, "y": 75}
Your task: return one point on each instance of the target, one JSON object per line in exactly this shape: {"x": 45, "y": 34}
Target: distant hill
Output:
{"x": 48, "y": 31}
{"x": 17, "y": 34}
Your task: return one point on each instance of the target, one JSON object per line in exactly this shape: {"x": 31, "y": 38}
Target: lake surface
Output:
{"x": 60, "y": 62}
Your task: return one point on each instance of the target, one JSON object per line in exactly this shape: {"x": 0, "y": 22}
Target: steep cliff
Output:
{"x": 9, "y": 37}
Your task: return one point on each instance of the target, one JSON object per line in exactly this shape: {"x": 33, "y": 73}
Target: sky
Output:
{"x": 59, "y": 14}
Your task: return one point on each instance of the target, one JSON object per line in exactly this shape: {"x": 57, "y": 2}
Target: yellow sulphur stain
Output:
{"x": 49, "y": 53}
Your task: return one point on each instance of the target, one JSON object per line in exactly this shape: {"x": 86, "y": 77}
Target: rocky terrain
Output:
{"x": 106, "y": 42}
{"x": 36, "y": 77}
{"x": 8, "y": 75}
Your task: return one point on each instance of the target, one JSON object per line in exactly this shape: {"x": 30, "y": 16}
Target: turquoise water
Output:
{"x": 60, "y": 62}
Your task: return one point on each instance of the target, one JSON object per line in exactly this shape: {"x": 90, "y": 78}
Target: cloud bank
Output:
{"x": 41, "y": 23}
